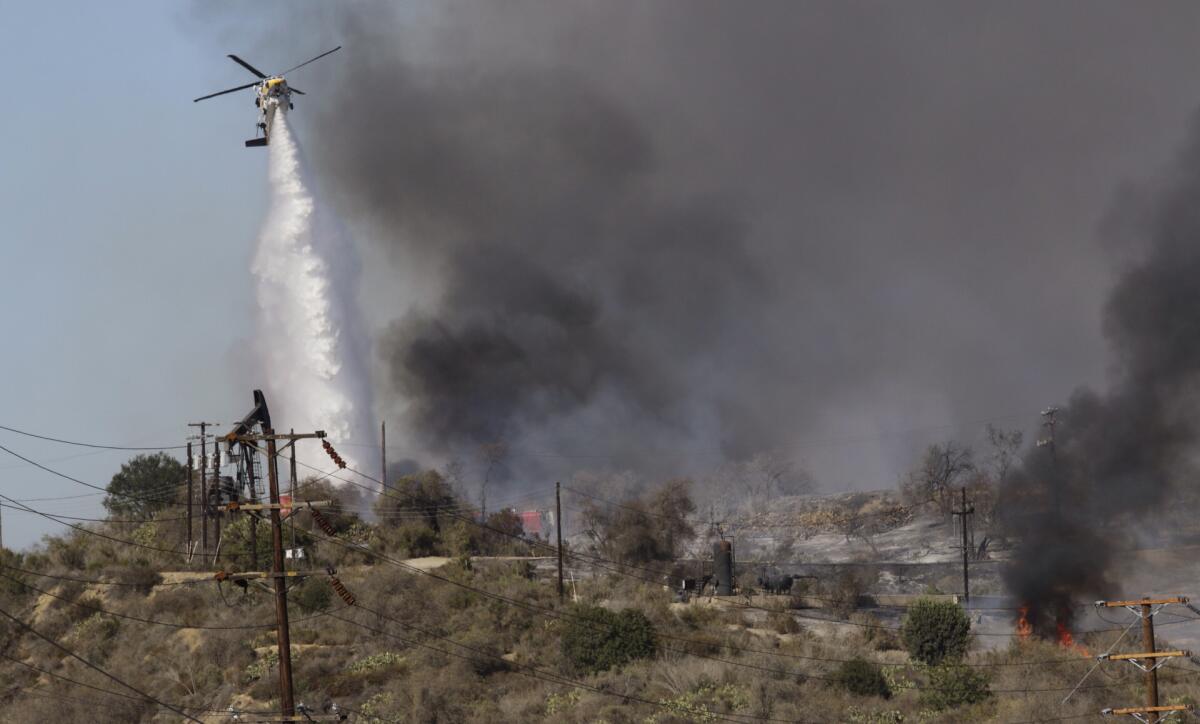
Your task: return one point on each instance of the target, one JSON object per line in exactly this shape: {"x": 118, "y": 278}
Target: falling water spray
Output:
{"x": 310, "y": 339}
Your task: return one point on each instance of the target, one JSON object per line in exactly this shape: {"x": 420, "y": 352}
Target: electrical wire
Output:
{"x": 169, "y": 624}
{"x": 88, "y": 444}
{"x": 94, "y": 667}
{"x": 97, "y": 582}
{"x": 114, "y": 539}
{"x": 77, "y": 480}
{"x": 103, "y": 520}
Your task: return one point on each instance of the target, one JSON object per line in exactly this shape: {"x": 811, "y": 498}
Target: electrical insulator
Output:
{"x": 337, "y": 459}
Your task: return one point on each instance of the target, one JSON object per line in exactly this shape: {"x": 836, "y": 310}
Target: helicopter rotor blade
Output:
{"x": 322, "y": 55}
{"x": 297, "y": 90}
{"x": 221, "y": 93}
{"x": 247, "y": 66}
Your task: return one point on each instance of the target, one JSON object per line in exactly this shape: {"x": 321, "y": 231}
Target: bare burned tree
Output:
{"x": 754, "y": 482}
{"x": 943, "y": 468}
{"x": 494, "y": 454}
{"x": 651, "y": 529}
{"x": 984, "y": 487}
{"x": 454, "y": 471}
{"x": 1006, "y": 448}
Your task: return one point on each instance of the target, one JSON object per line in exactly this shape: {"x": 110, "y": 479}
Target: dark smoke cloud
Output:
{"x": 1122, "y": 454}
{"x": 680, "y": 231}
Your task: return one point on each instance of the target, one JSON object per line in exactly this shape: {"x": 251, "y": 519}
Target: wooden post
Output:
{"x": 292, "y": 489}
{"x": 558, "y": 521}
{"x": 217, "y": 513}
{"x": 382, "y": 456}
{"x": 287, "y": 701}
{"x": 204, "y": 483}
{"x": 191, "y": 476}
{"x": 1151, "y": 672}
{"x": 962, "y": 514}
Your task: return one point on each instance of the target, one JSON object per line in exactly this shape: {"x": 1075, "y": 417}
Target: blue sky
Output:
{"x": 127, "y": 215}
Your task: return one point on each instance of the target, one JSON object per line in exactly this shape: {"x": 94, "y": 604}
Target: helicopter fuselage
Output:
{"x": 270, "y": 96}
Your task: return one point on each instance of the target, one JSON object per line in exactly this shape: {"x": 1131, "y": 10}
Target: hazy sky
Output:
{"x": 942, "y": 192}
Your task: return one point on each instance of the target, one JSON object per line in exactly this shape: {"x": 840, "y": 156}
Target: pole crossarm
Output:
{"x": 248, "y": 437}
{"x": 1144, "y": 713}
{"x": 1151, "y": 655}
{"x": 1160, "y": 658}
{"x": 249, "y": 575}
{"x": 235, "y": 505}
{"x": 247, "y": 718}
{"x": 1144, "y": 602}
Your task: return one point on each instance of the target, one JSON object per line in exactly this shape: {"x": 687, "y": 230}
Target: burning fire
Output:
{"x": 1065, "y": 639}
{"x": 1024, "y": 628}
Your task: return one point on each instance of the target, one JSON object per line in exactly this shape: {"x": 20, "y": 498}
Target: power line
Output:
{"x": 169, "y": 624}
{"x": 77, "y": 480}
{"x": 103, "y": 520}
{"x": 89, "y": 444}
{"x": 98, "y": 534}
{"x": 94, "y": 667}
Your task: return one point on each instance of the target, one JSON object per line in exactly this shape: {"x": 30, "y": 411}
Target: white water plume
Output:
{"x": 309, "y": 331}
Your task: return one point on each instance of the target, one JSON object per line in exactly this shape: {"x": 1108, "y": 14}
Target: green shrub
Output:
{"x": 954, "y": 685}
{"x": 139, "y": 577}
{"x": 416, "y": 540}
{"x": 862, "y": 678}
{"x": 936, "y": 631}
{"x": 313, "y": 595}
{"x": 598, "y": 639}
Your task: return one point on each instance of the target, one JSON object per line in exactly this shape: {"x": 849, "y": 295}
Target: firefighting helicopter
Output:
{"x": 272, "y": 93}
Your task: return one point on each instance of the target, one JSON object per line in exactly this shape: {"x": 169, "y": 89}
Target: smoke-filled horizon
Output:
{"x": 663, "y": 237}
{"x": 1125, "y": 454}
{"x": 309, "y": 344}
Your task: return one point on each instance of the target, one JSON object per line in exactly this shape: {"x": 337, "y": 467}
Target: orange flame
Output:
{"x": 1067, "y": 641}
{"x": 1024, "y": 628}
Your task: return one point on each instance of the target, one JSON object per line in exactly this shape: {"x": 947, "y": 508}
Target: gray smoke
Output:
{"x": 668, "y": 234}
{"x": 1122, "y": 454}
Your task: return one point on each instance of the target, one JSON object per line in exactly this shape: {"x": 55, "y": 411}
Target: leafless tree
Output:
{"x": 454, "y": 471}
{"x": 1006, "y": 444}
{"x": 943, "y": 468}
{"x": 494, "y": 454}
{"x": 754, "y": 482}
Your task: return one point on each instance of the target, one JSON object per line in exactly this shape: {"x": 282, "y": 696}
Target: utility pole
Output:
{"x": 1049, "y": 413}
{"x": 191, "y": 475}
{"x": 383, "y": 455}
{"x": 243, "y": 434}
{"x": 249, "y": 456}
{"x": 558, "y": 531}
{"x": 216, "y": 514}
{"x": 203, "y": 437}
{"x": 963, "y": 513}
{"x": 1148, "y": 660}
{"x": 1148, "y": 645}
{"x": 281, "y": 611}
{"x": 292, "y": 488}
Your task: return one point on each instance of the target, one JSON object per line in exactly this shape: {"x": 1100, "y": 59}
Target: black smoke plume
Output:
{"x": 1118, "y": 457}
{"x": 677, "y": 232}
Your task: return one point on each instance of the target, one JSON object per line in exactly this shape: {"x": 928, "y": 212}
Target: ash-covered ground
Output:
{"x": 897, "y": 551}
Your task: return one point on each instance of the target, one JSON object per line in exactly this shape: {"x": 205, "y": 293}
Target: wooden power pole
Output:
{"x": 1148, "y": 660}
{"x": 281, "y": 611}
{"x": 191, "y": 475}
{"x": 558, "y": 533}
{"x": 963, "y": 513}
{"x": 244, "y": 435}
{"x": 382, "y": 456}
{"x": 204, "y": 512}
